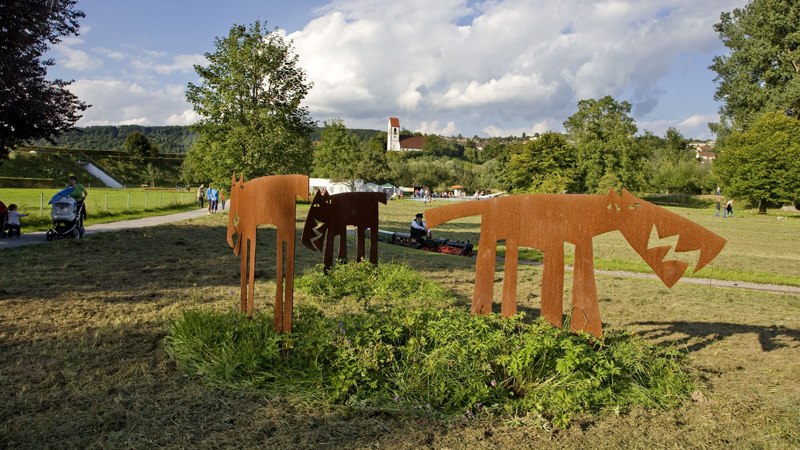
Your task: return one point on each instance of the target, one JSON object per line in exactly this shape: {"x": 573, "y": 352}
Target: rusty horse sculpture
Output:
{"x": 329, "y": 217}
{"x": 547, "y": 221}
{"x": 266, "y": 200}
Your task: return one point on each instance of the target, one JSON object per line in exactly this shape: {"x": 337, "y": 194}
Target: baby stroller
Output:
{"x": 67, "y": 215}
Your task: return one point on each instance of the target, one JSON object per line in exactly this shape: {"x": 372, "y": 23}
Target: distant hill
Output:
{"x": 171, "y": 140}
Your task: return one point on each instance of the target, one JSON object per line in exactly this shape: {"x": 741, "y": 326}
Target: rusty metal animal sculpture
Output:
{"x": 546, "y": 222}
{"x": 329, "y": 217}
{"x": 266, "y": 200}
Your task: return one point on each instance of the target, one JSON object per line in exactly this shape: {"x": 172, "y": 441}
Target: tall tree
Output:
{"x": 341, "y": 157}
{"x": 762, "y": 70}
{"x": 543, "y": 165}
{"x": 137, "y": 144}
{"x": 250, "y": 100}
{"x": 607, "y": 153}
{"x": 32, "y": 107}
{"x": 337, "y": 156}
{"x": 762, "y": 163}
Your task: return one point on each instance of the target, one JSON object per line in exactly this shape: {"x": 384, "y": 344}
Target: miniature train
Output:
{"x": 438, "y": 245}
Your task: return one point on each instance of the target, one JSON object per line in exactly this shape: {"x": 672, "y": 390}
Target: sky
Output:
{"x": 449, "y": 67}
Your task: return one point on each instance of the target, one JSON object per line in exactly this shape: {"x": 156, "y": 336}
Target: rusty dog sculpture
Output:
{"x": 546, "y": 222}
{"x": 329, "y": 217}
{"x": 266, "y": 200}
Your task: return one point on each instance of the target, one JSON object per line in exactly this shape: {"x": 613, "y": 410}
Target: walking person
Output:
{"x": 200, "y": 192}
{"x": 208, "y": 197}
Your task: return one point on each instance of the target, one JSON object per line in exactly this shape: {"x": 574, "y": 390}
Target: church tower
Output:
{"x": 393, "y": 134}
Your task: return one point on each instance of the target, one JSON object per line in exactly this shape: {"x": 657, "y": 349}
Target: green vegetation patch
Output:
{"x": 429, "y": 360}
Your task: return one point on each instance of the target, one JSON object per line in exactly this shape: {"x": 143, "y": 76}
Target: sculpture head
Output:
{"x": 317, "y": 221}
{"x": 233, "y": 214}
{"x": 638, "y": 220}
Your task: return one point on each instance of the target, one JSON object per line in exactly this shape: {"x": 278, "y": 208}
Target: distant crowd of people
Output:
{"x": 215, "y": 197}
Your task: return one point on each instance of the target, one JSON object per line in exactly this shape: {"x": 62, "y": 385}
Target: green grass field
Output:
{"x": 103, "y": 205}
{"x": 84, "y": 363}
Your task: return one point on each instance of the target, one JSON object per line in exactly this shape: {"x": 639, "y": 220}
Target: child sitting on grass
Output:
{"x": 12, "y": 224}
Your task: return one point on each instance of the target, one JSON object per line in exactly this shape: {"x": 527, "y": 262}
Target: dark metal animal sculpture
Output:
{"x": 266, "y": 200}
{"x": 329, "y": 217}
{"x": 546, "y": 222}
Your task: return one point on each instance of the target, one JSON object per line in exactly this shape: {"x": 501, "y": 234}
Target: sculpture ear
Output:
{"x": 614, "y": 200}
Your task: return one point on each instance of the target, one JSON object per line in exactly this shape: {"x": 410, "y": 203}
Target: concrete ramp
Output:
{"x": 100, "y": 175}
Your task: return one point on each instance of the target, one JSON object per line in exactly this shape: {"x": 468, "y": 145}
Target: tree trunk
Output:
{"x": 762, "y": 206}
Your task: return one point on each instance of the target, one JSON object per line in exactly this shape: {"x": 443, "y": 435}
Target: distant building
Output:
{"x": 704, "y": 151}
{"x": 402, "y": 143}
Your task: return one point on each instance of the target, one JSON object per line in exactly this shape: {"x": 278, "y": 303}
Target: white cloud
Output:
{"x": 187, "y": 117}
{"x": 497, "y": 62}
{"x": 698, "y": 120}
{"x": 498, "y": 67}
{"x": 433, "y": 128}
{"x": 78, "y": 60}
{"x": 181, "y": 64}
{"x": 116, "y": 102}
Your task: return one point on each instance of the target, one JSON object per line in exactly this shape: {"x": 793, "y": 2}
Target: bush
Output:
{"x": 424, "y": 359}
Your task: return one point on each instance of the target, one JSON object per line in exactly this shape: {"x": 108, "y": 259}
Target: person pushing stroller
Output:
{"x": 79, "y": 193}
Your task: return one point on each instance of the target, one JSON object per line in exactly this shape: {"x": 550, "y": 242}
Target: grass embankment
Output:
{"x": 103, "y": 205}
{"x": 84, "y": 364}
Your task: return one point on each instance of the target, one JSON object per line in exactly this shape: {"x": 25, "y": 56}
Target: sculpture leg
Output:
{"x": 343, "y": 246}
{"x": 373, "y": 244}
{"x": 288, "y": 296}
{"x": 585, "y": 308}
{"x": 279, "y": 306}
{"x": 509, "y": 305}
{"x": 484, "y": 275}
{"x": 361, "y": 237}
{"x": 553, "y": 285}
{"x": 244, "y": 275}
{"x": 327, "y": 261}
{"x": 251, "y": 275}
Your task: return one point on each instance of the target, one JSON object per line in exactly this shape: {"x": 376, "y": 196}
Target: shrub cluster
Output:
{"x": 436, "y": 360}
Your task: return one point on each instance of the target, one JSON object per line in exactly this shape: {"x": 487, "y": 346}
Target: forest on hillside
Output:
{"x": 170, "y": 140}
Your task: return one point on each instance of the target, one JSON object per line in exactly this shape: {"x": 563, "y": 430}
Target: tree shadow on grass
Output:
{"x": 682, "y": 200}
{"x": 770, "y": 337}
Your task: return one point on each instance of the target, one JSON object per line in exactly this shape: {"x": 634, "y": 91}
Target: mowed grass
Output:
{"x": 83, "y": 366}
{"x": 103, "y": 205}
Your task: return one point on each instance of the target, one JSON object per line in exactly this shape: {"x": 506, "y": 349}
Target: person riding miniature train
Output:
{"x": 419, "y": 231}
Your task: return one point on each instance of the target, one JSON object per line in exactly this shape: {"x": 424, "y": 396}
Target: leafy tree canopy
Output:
{"x": 762, "y": 164}
{"x": 762, "y": 71}
{"x": 250, "y": 99}
{"x": 607, "y": 154}
{"x": 32, "y": 107}
{"x": 138, "y": 145}
{"x": 544, "y": 165}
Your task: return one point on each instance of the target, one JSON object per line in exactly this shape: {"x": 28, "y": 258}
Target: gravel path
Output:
{"x": 39, "y": 237}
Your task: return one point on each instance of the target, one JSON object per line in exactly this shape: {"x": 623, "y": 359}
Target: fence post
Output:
{"x": 106, "y": 207}
{"x": 129, "y": 200}
{"x": 41, "y": 202}
{"x": 145, "y": 199}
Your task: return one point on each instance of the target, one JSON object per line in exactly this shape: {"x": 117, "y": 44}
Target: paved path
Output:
{"x": 39, "y": 238}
